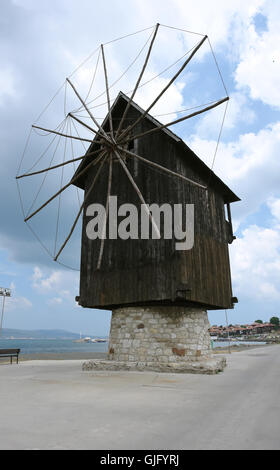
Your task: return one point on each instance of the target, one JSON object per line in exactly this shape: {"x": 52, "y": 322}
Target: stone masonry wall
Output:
{"x": 159, "y": 335}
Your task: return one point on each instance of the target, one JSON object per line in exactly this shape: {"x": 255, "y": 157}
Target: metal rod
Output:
{"x": 80, "y": 210}
{"x": 138, "y": 193}
{"x": 163, "y": 126}
{"x": 57, "y": 166}
{"x": 139, "y": 79}
{"x": 165, "y": 88}
{"x": 94, "y": 162}
{"x": 106, "y": 215}
{"x": 2, "y": 315}
{"x": 156, "y": 165}
{"x": 87, "y": 109}
{"x": 59, "y": 133}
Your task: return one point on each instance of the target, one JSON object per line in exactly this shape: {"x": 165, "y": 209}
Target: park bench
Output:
{"x": 10, "y": 353}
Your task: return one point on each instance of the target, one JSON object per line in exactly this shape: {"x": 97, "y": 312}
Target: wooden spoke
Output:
{"x": 163, "y": 126}
{"x": 94, "y": 162}
{"x": 88, "y": 111}
{"x": 164, "y": 90}
{"x": 107, "y": 92}
{"x": 138, "y": 193}
{"x": 57, "y": 166}
{"x": 81, "y": 208}
{"x": 138, "y": 81}
{"x": 86, "y": 125}
{"x": 106, "y": 215}
{"x": 63, "y": 135}
{"x": 162, "y": 168}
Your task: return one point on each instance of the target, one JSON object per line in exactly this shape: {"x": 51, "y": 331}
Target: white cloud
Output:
{"x": 55, "y": 301}
{"x": 17, "y": 304}
{"x": 249, "y": 165}
{"x": 274, "y": 206}
{"x": 259, "y": 68}
{"x": 238, "y": 111}
{"x": 255, "y": 263}
{"x": 62, "y": 285}
{"x": 48, "y": 283}
{"x": 7, "y": 84}
{"x": 173, "y": 98}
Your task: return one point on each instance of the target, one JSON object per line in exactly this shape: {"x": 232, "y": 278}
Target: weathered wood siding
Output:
{"x": 152, "y": 271}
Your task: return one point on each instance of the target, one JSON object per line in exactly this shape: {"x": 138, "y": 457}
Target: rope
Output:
{"x": 46, "y": 107}
{"x": 78, "y": 134}
{"x": 45, "y": 151}
{"x": 45, "y": 133}
{"x": 94, "y": 75}
{"x": 127, "y": 35}
{"x": 38, "y": 239}
{"x": 121, "y": 76}
{"x": 44, "y": 179}
{"x": 24, "y": 150}
{"x": 59, "y": 198}
{"x": 20, "y": 199}
{"x": 83, "y": 63}
{"x": 109, "y": 42}
{"x": 65, "y": 98}
{"x": 67, "y": 266}
{"x": 74, "y": 165}
{"x": 160, "y": 115}
{"x": 218, "y": 141}
{"x": 218, "y": 68}
{"x": 47, "y": 250}
{"x": 93, "y": 79}
{"x": 184, "y": 30}
{"x": 148, "y": 81}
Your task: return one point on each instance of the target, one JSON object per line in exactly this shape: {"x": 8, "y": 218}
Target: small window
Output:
{"x": 131, "y": 145}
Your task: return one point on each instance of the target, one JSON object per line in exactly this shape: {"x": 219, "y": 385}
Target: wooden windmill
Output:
{"x": 154, "y": 291}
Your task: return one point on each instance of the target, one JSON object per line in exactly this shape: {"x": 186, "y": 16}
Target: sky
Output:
{"x": 42, "y": 43}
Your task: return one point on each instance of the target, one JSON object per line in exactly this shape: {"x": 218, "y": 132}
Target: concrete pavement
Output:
{"x": 55, "y": 405}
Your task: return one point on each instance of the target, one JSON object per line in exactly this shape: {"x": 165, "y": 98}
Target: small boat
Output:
{"x": 86, "y": 339}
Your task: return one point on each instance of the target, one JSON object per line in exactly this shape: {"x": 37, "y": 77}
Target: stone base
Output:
{"x": 207, "y": 366}
{"x": 160, "y": 339}
{"x": 159, "y": 334}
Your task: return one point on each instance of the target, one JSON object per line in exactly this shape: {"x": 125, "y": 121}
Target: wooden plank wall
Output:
{"x": 148, "y": 271}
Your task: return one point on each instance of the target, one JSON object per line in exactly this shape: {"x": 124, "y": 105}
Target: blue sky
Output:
{"x": 41, "y": 44}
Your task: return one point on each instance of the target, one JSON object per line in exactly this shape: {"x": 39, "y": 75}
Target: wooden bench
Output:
{"x": 10, "y": 353}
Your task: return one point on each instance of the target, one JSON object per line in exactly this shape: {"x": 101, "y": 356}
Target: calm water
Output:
{"x": 32, "y": 346}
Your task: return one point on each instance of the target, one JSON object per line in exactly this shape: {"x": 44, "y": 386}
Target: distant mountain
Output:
{"x": 39, "y": 334}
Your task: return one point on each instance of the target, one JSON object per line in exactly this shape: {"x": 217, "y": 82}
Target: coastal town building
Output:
{"x": 239, "y": 330}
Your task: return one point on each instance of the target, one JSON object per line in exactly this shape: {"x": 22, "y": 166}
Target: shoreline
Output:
{"x": 63, "y": 356}
{"x": 83, "y": 355}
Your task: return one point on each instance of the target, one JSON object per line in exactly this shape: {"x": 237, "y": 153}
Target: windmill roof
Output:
{"x": 202, "y": 168}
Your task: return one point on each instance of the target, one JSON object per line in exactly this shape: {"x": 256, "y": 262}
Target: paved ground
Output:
{"x": 54, "y": 405}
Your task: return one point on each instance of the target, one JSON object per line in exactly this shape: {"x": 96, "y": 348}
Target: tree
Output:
{"x": 258, "y": 321}
{"x": 275, "y": 321}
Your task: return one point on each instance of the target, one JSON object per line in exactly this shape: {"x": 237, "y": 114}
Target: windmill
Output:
{"x": 146, "y": 282}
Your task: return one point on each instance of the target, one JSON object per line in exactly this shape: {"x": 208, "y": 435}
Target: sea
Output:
{"x": 60, "y": 346}
{"x": 52, "y": 346}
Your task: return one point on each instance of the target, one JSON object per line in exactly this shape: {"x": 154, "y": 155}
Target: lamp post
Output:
{"x": 4, "y": 292}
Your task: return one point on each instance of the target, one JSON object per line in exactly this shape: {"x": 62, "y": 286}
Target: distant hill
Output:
{"x": 39, "y": 334}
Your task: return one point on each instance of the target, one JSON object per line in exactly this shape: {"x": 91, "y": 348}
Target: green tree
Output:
{"x": 258, "y": 321}
{"x": 275, "y": 321}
